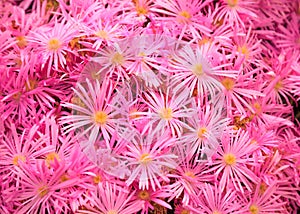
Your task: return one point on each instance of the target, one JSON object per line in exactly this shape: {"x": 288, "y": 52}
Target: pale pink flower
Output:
{"x": 149, "y": 159}
{"x": 112, "y": 199}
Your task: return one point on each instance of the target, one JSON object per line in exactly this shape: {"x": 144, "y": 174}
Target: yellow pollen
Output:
{"x": 54, "y": 44}
{"x": 229, "y": 159}
{"x": 141, "y": 10}
{"x": 51, "y": 157}
{"x": 190, "y": 174}
{"x": 216, "y": 212}
{"x": 262, "y": 188}
{"x": 201, "y": 132}
{"x": 244, "y": 50}
{"x": 102, "y": 34}
{"x": 97, "y": 179}
{"x": 185, "y": 212}
{"x": 257, "y": 107}
{"x": 253, "y": 141}
{"x": 145, "y": 158}
{"x": 64, "y": 177}
{"x": 144, "y": 195}
{"x": 197, "y": 70}
{"x": 42, "y": 191}
{"x": 117, "y": 59}
{"x": 18, "y": 158}
{"x": 100, "y": 117}
{"x": 232, "y": 3}
{"x": 278, "y": 85}
{"x": 203, "y": 41}
{"x": 253, "y": 209}
{"x": 112, "y": 212}
{"x": 228, "y": 83}
{"x": 17, "y": 96}
{"x": 166, "y": 113}
{"x": 185, "y": 14}
{"x": 31, "y": 84}
{"x": 21, "y": 41}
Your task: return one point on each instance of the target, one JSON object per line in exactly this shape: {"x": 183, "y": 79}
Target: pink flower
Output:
{"x": 233, "y": 161}
{"x": 148, "y": 159}
{"x": 166, "y": 112}
{"x": 112, "y": 199}
{"x": 51, "y": 43}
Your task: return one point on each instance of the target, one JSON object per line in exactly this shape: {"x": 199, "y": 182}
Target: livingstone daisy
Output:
{"x": 149, "y": 158}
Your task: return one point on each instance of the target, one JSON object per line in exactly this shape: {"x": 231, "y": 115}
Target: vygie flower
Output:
{"x": 232, "y": 162}
{"x": 149, "y": 158}
{"x": 51, "y": 43}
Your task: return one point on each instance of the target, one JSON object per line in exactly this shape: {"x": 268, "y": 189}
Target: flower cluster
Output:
{"x": 149, "y": 106}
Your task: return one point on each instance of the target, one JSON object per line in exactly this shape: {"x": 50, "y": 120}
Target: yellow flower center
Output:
{"x": 166, "y": 113}
{"x": 144, "y": 195}
{"x": 51, "y": 157}
{"x": 17, "y": 96}
{"x": 31, "y": 84}
{"x": 112, "y": 212}
{"x": 102, "y": 34}
{"x": 185, "y": 212}
{"x": 54, "y": 44}
{"x": 278, "y": 85}
{"x": 185, "y": 14}
{"x": 145, "y": 158}
{"x": 43, "y": 190}
{"x": 253, "y": 209}
{"x": 117, "y": 59}
{"x": 190, "y": 174}
{"x": 228, "y": 83}
{"x": 229, "y": 159}
{"x": 97, "y": 179}
{"x": 216, "y": 212}
{"x": 257, "y": 107}
{"x": 262, "y": 188}
{"x": 232, "y": 3}
{"x": 21, "y": 41}
{"x": 244, "y": 50}
{"x": 141, "y": 10}
{"x": 197, "y": 70}
{"x": 100, "y": 117}
{"x": 18, "y": 158}
{"x": 201, "y": 132}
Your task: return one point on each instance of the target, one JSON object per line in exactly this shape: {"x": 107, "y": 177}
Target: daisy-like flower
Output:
{"x": 205, "y": 130}
{"x": 199, "y": 70}
{"x": 21, "y": 148}
{"x": 93, "y": 112}
{"x": 149, "y": 48}
{"x": 112, "y": 199}
{"x": 51, "y": 43}
{"x": 263, "y": 201}
{"x": 236, "y": 11}
{"x": 40, "y": 190}
{"x": 235, "y": 92}
{"x": 167, "y": 112}
{"x": 149, "y": 159}
{"x": 232, "y": 162}
{"x": 288, "y": 38}
{"x": 212, "y": 200}
{"x": 148, "y": 197}
{"x": 184, "y": 16}
{"x": 189, "y": 177}
{"x": 115, "y": 59}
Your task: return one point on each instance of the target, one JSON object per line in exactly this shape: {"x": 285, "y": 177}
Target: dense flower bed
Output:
{"x": 149, "y": 106}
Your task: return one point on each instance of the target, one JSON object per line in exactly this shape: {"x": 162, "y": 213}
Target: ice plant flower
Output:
{"x": 232, "y": 162}
{"x": 51, "y": 43}
{"x": 149, "y": 158}
{"x": 112, "y": 199}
